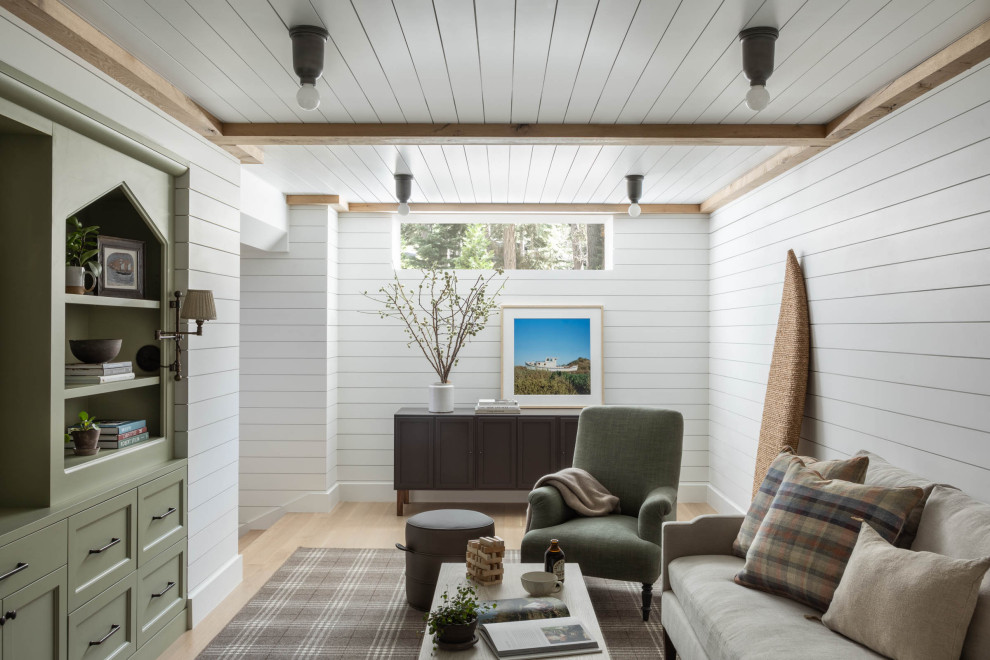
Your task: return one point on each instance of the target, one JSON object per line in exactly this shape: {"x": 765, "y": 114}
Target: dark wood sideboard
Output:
{"x": 465, "y": 451}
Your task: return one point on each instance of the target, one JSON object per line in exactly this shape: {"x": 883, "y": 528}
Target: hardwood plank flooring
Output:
{"x": 349, "y": 525}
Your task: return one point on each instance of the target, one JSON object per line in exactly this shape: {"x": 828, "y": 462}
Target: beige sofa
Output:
{"x": 705, "y": 615}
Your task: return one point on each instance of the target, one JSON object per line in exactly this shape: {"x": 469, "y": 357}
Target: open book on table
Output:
{"x": 534, "y": 628}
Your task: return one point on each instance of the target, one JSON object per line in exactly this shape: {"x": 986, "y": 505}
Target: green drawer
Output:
{"x": 161, "y": 591}
{"x": 161, "y": 514}
{"x": 27, "y": 559}
{"x": 102, "y": 547}
{"x": 105, "y": 626}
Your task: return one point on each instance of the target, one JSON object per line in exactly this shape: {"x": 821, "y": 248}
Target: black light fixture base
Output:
{"x": 634, "y": 187}
{"x": 757, "y": 53}
{"x": 308, "y": 44}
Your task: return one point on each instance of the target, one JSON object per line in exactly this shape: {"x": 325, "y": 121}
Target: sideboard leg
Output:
{"x": 401, "y": 497}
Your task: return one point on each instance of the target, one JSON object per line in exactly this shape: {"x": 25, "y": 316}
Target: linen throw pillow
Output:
{"x": 810, "y": 529}
{"x": 903, "y": 604}
{"x": 850, "y": 469}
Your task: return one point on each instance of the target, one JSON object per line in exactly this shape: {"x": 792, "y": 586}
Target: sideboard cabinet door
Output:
{"x": 454, "y": 448}
{"x": 537, "y": 450}
{"x": 496, "y": 453}
{"x": 38, "y": 629}
{"x": 413, "y": 453}
{"x": 568, "y": 437}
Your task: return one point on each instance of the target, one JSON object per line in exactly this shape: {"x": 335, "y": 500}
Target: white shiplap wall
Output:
{"x": 892, "y": 228}
{"x": 656, "y": 340}
{"x": 206, "y": 229}
{"x": 288, "y": 372}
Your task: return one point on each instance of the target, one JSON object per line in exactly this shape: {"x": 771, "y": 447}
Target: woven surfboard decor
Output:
{"x": 783, "y": 408}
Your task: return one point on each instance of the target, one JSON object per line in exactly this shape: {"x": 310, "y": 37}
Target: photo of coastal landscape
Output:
{"x": 551, "y": 356}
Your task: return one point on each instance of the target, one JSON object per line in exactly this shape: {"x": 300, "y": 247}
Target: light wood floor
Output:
{"x": 350, "y": 525}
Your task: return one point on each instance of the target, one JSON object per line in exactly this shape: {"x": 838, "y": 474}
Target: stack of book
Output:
{"x": 497, "y": 407}
{"x": 94, "y": 374}
{"x": 122, "y": 433}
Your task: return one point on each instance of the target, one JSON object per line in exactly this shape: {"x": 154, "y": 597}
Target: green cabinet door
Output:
{"x": 34, "y": 616}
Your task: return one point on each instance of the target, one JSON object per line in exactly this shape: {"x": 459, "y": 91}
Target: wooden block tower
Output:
{"x": 484, "y": 560}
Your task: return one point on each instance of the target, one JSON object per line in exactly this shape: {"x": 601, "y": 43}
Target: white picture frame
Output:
{"x": 553, "y": 347}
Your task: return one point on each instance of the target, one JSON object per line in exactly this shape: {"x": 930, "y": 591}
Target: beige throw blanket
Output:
{"x": 581, "y": 491}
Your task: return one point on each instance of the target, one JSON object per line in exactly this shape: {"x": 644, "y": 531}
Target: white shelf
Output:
{"x": 81, "y": 390}
{"x": 107, "y": 301}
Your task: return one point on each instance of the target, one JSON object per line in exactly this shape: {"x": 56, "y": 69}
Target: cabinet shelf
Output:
{"x": 74, "y": 463}
{"x": 106, "y": 301}
{"x": 81, "y": 390}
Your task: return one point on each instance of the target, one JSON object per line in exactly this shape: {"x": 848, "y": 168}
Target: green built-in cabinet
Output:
{"x": 92, "y": 548}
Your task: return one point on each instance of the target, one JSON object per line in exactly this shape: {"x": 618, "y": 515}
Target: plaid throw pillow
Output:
{"x": 802, "y": 547}
{"x": 850, "y": 469}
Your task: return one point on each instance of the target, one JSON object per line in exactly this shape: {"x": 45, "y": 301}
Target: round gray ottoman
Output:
{"x": 435, "y": 537}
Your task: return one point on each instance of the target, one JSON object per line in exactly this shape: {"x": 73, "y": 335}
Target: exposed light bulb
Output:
{"x": 404, "y": 208}
{"x": 634, "y": 210}
{"x": 757, "y": 98}
{"x": 308, "y": 96}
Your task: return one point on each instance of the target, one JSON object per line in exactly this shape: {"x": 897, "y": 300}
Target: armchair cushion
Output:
{"x": 660, "y": 505}
{"x": 607, "y": 547}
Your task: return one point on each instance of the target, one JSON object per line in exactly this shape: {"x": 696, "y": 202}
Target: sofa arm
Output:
{"x": 547, "y": 508}
{"x": 705, "y": 535}
{"x": 660, "y": 505}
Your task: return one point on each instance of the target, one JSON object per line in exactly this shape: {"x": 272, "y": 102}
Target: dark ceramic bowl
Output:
{"x": 95, "y": 351}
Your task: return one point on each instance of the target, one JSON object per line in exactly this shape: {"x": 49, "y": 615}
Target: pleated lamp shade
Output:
{"x": 198, "y": 306}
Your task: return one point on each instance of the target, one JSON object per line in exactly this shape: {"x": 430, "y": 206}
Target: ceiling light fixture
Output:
{"x": 634, "y": 191}
{"x": 757, "y": 63}
{"x": 308, "y": 44}
{"x": 403, "y": 191}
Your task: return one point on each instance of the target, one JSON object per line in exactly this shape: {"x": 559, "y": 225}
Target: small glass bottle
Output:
{"x": 553, "y": 560}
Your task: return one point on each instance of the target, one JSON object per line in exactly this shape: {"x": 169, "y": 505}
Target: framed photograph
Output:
{"x": 122, "y": 267}
{"x": 552, "y": 356}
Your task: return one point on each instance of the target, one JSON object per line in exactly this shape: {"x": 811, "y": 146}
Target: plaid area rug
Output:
{"x": 334, "y": 603}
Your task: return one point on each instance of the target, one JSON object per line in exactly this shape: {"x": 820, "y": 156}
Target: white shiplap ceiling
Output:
{"x": 525, "y": 61}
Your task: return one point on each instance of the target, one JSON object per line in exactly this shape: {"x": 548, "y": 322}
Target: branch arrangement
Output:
{"x": 438, "y": 318}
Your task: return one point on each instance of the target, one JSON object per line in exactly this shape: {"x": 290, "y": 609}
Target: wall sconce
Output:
{"x": 198, "y": 307}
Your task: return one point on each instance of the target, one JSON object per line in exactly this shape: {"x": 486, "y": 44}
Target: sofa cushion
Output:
{"x": 607, "y": 547}
{"x": 907, "y": 605}
{"x": 742, "y": 624}
{"x": 851, "y": 469}
{"x": 809, "y": 532}
{"x": 956, "y": 525}
{"x": 882, "y": 473}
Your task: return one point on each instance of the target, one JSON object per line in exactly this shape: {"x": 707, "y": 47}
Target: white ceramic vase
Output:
{"x": 442, "y": 397}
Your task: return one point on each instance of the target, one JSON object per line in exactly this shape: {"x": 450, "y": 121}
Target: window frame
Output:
{"x": 504, "y": 219}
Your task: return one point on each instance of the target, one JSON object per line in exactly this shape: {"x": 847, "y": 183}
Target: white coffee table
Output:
{"x": 574, "y": 594}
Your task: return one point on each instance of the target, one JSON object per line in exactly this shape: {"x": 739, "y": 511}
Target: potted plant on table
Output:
{"x": 453, "y": 622}
{"x": 80, "y": 252}
{"x": 440, "y": 320}
{"x": 85, "y": 435}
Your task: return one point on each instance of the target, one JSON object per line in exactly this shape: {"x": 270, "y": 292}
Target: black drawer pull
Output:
{"x": 114, "y": 628}
{"x": 10, "y": 616}
{"x": 164, "y": 591}
{"x": 109, "y": 545}
{"x": 170, "y": 511}
{"x": 21, "y": 565}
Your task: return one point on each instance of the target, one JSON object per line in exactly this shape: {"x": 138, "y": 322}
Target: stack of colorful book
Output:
{"x": 94, "y": 374}
{"x": 117, "y": 434}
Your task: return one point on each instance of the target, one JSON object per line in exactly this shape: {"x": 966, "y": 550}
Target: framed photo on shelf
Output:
{"x": 552, "y": 355}
{"x": 121, "y": 267}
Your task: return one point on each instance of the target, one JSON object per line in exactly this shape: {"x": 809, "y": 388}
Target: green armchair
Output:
{"x": 635, "y": 453}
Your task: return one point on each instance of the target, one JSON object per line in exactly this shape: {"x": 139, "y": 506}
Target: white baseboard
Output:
{"x": 218, "y": 586}
{"x": 718, "y": 501}
{"x": 315, "y": 502}
{"x": 371, "y": 491}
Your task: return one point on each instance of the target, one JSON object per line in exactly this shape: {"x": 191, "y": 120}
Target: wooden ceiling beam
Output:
{"x": 615, "y": 209}
{"x": 960, "y": 55}
{"x": 335, "y": 201}
{"x": 594, "y": 134}
{"x": 66, "y": 28}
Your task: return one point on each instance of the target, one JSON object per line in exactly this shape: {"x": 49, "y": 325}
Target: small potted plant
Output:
{"x": 85, "y": 435}
{"x": 454, "y": 622}
{"x": 80, "y": 252}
